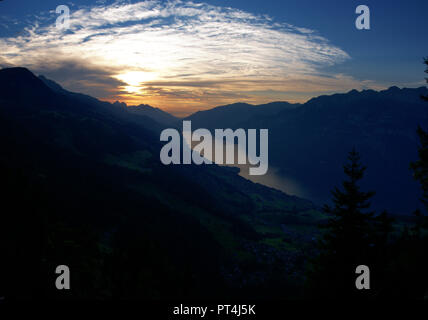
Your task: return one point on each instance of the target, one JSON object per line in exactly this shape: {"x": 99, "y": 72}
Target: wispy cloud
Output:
{"x": 178, "y": 55}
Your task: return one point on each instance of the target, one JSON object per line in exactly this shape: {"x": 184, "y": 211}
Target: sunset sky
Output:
{"x": 186, "y": 56}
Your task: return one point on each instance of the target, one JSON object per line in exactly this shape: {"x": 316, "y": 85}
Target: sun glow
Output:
{"x": 135, "y": 80}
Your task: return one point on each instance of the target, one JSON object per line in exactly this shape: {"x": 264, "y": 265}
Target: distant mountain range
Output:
{"x": 309, "y": 142}
{"x": 154, "y": 113}
{"x": 143, "y": 110}
{"x": 229, "y": 116}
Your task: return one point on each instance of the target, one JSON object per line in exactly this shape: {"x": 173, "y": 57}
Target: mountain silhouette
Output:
{"x": 154, "y": 113}
{"x": 137, "y": 114}
{"x": 230, "y": 116}
{"x": 17, "y": 83}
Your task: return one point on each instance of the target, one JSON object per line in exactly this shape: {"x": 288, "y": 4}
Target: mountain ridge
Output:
{"x": 311, "y": 141}
{"x": 381, "y": 123}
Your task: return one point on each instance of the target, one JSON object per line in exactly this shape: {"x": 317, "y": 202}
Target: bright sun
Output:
{"x": 135, "y": 80}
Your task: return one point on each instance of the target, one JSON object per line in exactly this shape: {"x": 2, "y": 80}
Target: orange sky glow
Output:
{"x": 181, "y": 56}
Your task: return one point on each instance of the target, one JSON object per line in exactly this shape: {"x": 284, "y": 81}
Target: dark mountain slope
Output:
{"x": 20, "y": 83}
{"x": 155, "y": 113}
{"x": 83, "y": 186}
{"x": 133, "y": 113}
{"x": 230, "y": 116}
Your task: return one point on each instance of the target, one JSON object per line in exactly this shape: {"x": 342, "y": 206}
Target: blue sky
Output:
{"x": 391, "y": 51}
{"x": 256, "y": 52}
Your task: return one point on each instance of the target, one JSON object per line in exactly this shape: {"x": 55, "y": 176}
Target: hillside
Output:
{"x": 230, "y": 116}
{"x": 83, "y": 186}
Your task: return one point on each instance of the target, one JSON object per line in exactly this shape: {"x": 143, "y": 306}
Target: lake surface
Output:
{"x": 273, "y": 177}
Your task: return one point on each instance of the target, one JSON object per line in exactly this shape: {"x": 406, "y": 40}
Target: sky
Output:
{"x": 184, "y": 56}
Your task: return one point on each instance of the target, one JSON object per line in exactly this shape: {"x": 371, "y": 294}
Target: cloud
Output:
{"x": 178, "y": 55}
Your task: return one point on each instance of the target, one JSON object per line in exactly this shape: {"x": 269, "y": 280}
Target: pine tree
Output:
{"x": 349, "y": 236}
{"x": 349, "y": 228}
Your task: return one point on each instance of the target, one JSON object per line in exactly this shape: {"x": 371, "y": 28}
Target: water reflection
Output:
{"x": 273, "y": 178}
